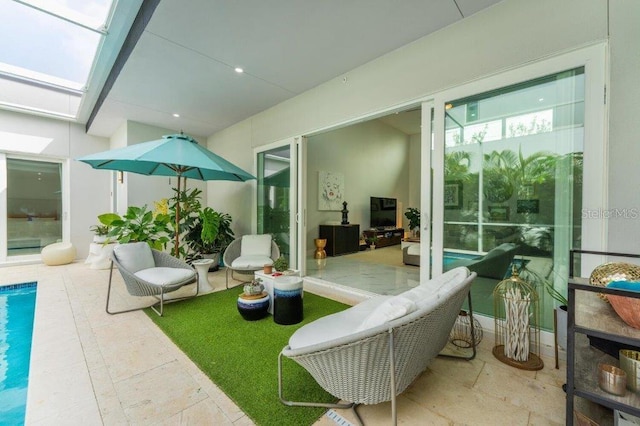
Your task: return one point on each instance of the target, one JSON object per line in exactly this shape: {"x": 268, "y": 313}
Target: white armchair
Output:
{"x": 248, "y": 254}
{"x": 148, "y": 272}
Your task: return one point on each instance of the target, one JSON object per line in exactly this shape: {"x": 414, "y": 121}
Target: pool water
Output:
{"x": 17, "y": 308}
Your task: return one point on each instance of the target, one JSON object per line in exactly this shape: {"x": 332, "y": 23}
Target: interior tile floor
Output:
{"x": 91, "y": 368}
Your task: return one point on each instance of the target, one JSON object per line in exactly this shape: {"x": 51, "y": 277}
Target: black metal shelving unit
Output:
{"x": 590, "y": 316}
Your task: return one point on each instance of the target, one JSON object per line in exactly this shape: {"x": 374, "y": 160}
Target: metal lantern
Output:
{"x": 517, "y": 323}
{"x": 464, "y": 333}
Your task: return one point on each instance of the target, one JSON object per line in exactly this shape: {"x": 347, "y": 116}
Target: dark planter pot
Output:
{"x": 561, "y": 326}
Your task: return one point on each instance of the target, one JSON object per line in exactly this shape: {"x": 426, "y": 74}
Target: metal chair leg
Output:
{"x": 154, "y": 306}
{"x": 348, "y": 405}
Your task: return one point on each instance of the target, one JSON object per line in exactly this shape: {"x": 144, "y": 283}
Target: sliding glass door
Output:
{"x": 33, "y": 205}
{"x": 277, "y": 198}
{"x": 510, "y": 178}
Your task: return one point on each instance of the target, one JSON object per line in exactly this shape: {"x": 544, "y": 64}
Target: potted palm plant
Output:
{"x": 413, "y": 214}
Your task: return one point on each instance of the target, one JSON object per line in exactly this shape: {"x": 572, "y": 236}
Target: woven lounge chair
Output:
{"x": 248, "y": 254}
{"x": 372, "y": 352}
{"x": 148, "y": 272}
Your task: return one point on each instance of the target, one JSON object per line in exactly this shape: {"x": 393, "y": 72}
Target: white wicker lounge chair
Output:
{"x": 148, "y": 272}
{"x": 367, "y": 365}
{"x": 248, "y": 254}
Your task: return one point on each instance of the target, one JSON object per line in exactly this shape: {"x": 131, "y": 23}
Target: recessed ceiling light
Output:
{"x": 239, "y": 70}
{"x": 176, "y": 115}
{"x": 541, "y": 99}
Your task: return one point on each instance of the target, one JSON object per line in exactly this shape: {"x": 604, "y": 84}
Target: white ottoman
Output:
{"x": 58, "y": 254}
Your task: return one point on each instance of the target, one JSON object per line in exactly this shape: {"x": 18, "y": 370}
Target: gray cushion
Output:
{"x": 134, "y": 256}
{"x": 162, "y": 276}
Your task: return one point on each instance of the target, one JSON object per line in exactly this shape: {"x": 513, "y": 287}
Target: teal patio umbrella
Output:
{"x": 174, "y": 155}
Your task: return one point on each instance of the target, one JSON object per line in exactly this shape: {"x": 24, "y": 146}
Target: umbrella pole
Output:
{"x": 177, "y": 219}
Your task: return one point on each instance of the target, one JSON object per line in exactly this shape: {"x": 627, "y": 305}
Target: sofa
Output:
{"x": 354, "y": 354}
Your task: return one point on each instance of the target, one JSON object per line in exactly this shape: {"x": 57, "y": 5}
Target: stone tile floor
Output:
{"x": 91, "y": 368}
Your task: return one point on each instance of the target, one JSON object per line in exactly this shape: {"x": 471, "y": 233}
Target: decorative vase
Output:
{"x": 320, "y": 253}
{"x": 252, "y": 289}
{"x": 267, "y": 269}
{"x": 254, "y": 307}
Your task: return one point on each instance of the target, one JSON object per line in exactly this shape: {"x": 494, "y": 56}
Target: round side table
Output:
{"x": 202, "y": 266}
{"x": 253, "y": 307}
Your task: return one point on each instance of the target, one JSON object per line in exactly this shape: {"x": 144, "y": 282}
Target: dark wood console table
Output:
{"x": 386, "y": 237}
{"x": 341, "y": 239}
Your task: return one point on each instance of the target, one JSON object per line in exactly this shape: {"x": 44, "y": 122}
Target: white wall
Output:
{"x": 414, "y": 175}
{"x": 43, "y": 138}
{"x": 374, "y": 159}
{"x": 510, "y": 34}
{"x": 624, "y": 125}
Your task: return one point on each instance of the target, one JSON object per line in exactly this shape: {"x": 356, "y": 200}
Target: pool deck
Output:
{"x": 91, "y": 368}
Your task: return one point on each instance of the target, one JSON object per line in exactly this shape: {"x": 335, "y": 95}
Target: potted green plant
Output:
{"x": 209, "y": 236}
{"x": 137, "y": 225}
{"x": 561, "y": 313}
{"x": 372, "y": 240}
{"x": 281, "y": 264}
{"x": 101, "y": 230}
{"x": 413, "y": 214}
{"x": 562, "y": 302}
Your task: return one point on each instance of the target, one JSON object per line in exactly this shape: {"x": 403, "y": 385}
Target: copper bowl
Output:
{"x": 627, "y": 308}
{"x": 612, "y": 379}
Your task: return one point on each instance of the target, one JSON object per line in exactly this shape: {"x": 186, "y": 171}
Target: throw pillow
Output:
{"x": 389, "y": 310}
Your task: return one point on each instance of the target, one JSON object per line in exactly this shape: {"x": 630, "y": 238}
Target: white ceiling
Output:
{"x": 184, "y": 61}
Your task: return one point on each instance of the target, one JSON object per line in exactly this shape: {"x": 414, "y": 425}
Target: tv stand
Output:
{"x": 386, "y": 236}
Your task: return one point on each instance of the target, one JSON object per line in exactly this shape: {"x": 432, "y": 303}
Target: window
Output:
{"x": 47, "y": 53}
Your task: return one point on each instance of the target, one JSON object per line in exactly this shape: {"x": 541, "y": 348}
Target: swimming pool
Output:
{"x": 17, "y": 308}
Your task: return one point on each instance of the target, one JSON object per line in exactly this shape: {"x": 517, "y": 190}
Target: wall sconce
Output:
{"x": 120, "y": 176}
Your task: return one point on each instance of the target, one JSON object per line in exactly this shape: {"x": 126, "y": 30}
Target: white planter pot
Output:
{"x": 561, "y": 326}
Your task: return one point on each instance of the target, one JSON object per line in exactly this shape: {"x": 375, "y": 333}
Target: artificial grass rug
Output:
{"x": 241, "y": 357}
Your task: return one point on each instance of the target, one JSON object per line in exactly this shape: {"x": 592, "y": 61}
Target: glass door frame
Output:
{"x": 592, "y": 58}
{"x": 296, "y": 259}
{"x": 66, "y": 204}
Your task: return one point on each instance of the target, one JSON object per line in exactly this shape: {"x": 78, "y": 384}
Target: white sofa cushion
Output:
{"x": 350, "y": 321}
{"x": 335, "y": 325}
{"x": 162, "y": 276}
{"x": 251, "y": 262}
{"x": 395, "y": 307}
{"x": 255, "y": 245}
{"x": 414, "y": 250}
{"x": 134, "y": 256}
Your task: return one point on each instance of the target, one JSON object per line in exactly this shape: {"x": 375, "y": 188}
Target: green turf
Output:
{"x": 241, "y": 357}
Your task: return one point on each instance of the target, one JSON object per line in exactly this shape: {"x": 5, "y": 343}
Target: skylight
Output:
{"x": 47, "y": 53}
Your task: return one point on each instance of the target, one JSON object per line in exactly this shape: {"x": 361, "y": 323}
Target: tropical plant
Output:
{"x": 413, "y": 214}
{"x": 104, "y": 227}
{"x": 210, "y": 233}
{"x": 456, "y": 165}
{"x": 139, "y": 225}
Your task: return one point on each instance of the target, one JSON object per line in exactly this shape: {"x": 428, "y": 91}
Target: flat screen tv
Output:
{"x": 383, "y": 212}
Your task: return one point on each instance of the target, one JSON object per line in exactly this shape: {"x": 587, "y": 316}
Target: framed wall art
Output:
{"x": 453, "y": 195}
{"x": 330, "y": 190}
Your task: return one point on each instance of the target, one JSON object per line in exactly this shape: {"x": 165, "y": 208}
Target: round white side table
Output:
{"x": 202, "y": 266}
